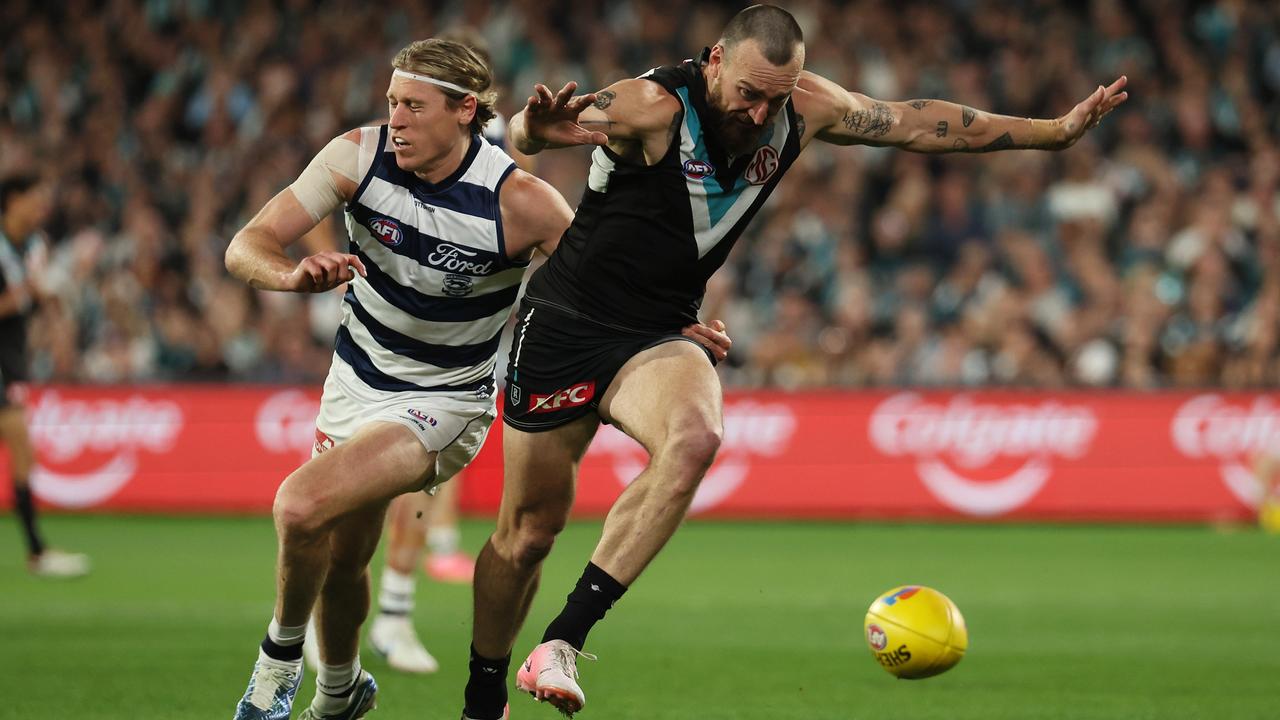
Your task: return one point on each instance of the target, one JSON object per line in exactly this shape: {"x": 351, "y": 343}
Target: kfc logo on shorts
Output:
{"x": 386, "y": 230}
{"x": 696, "y": 169}
{"x": 1233, "y": 434}
{"x": 981, "y": 458}
{"x": 422, "y": 416}
{"x": 763, "y": 165}
{"x": 575, "y": 396}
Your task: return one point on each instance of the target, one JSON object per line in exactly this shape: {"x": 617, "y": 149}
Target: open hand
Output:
{"x": 553, "y": 119}
{"x": 1086, "y": 115}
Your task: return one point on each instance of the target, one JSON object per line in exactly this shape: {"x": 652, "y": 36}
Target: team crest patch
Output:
{"x": 696, "y": 169}
{"x": 457, "y": 285}
{"x": 763, "y": 166}
{"x": 515, "y": 394}
{"x": 386, "y": 230}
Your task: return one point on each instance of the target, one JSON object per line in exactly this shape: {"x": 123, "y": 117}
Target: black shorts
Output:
{"x": 13, "y": 378}
{"x": 561, "y": 365}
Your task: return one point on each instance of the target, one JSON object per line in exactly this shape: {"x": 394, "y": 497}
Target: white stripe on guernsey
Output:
{"x": 706, "y": 235}
{"x": 487, "y": 167}
{"x": 434, "y": 81}
{"x": 396, "y": 202}
{"x": 403, "y": 368}
{"x": 427, "y": 280}
{"x": 438, "y": 333}
{"x": 601, "y": 168}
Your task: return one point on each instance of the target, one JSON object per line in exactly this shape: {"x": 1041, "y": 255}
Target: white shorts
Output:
{"x": 453, "y": 426}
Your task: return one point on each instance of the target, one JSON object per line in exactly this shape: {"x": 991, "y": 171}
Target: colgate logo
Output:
{"x": 971, "y": 436}
{"x": 1207, "y": 426}
{"x": 64, "y": 430}
{"x": 750, "y": 429}
{"x": 386, "y": 230}
{"x": 286, "y": 423}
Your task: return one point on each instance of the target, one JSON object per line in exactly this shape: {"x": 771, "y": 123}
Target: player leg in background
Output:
{"x": 446, "y": 560}
{"x": 667, "y": 398}
{"x": 539, "y": 471}
{"x": 392, "y": 633}
{"x": 41, "y": 560}
{"x": 382, "y": 460}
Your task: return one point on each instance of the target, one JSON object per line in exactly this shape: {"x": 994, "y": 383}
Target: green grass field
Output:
{"x": 734, "y": 621}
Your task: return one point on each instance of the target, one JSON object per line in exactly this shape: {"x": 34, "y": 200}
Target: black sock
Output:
{"x": 26, "y": 509}
{"x": 591, "y": 598}
{"x": 486, "y": 693}
{"x": 276, "y": 651}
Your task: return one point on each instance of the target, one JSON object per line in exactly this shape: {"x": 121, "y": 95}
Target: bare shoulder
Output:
{"x": 639, "y": 103}
{"x": 532, "y": 210}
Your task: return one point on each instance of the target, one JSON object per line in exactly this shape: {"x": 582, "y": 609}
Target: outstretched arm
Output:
{"x": 258, "y": 253}
{"x": 841, "y": 117}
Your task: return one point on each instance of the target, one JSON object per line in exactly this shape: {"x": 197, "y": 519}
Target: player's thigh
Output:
{"x": 13, "y": 433}
{"x": 382, "y": 460}
{"x": 665, "y": 389}
{"x": 540, "y": 469}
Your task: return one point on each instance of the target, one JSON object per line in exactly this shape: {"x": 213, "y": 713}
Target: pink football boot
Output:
{"x": 551, "y": 674}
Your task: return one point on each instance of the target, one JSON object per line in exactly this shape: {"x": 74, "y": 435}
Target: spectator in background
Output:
{"x": 165, "y": 128}
{"x": 25, "y": 203}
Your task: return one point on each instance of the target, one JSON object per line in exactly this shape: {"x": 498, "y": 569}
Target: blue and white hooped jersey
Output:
{"x": 646, "y": 238}
{"x": 429, "y": 315}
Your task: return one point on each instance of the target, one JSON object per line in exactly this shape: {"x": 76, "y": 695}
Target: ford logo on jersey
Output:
{"x": 696, "y": 169}
{"x": 386, "y": 230}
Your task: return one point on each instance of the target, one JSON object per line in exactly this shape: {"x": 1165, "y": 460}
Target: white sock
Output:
{"x": 395, "y": 594}
{"x": 333, "y": 686}
{"x": 443, "y": 540}
{"x": 286, "y": 638}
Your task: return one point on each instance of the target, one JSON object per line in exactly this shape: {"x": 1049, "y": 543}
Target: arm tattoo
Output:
{"x": 874, "y": 122}
{"x": 1004, "y": 142}
{"x": 967, "y": 114}
{"x": 799, "y": 125}
{"x": 604, "y": 99}
{"x": 942, "y": 129}
{"x": 960, "y": 145}
{"x": 920, "y": 104}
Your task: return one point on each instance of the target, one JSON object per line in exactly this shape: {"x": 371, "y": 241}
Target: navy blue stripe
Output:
{"x": 445, "y": 356}
{"x": 450, "y": 193}
{"x": 437, "y": 309}
{"x": 420, "y": 247}
{"x": 364, "y": 368}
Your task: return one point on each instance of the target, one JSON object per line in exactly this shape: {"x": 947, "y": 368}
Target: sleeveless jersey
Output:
{"x": 646, "y": 239}
{"x": 440, "y": 286}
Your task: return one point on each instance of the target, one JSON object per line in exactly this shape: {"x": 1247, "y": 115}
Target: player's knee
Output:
{"x": 297, "y": 517}
{"x": 693, "y": 447}
{"x": 529, "y": 542}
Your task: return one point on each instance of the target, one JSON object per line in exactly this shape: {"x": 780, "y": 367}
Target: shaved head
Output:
{"x": 774, "y": 30}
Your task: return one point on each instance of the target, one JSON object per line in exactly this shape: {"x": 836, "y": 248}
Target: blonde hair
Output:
{"x": 455, "y": 63}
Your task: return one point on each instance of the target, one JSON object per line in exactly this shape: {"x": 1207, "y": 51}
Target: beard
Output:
{"x": 735, "y": 131}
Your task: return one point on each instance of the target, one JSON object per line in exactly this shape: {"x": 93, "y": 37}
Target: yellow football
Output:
{"x": 916, "y": 632}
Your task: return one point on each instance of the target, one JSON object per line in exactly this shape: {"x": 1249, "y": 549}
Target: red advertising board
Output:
{"x": 909, "y": 454}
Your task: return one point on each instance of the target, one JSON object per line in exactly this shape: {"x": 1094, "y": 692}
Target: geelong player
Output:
{"x": 688, "y": 155}
{"x": 442, "y": 226}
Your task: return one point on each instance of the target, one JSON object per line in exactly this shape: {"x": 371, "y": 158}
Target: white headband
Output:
{"x": 433, "y": 81}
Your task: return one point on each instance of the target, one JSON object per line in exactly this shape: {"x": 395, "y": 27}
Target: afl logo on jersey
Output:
{"x": 696, "y": 169}
{"x": 386, "y": 230}
{"x": 763, "y": 166}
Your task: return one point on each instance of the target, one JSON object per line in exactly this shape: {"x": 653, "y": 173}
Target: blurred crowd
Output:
{"x": 1146, "y": 256}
